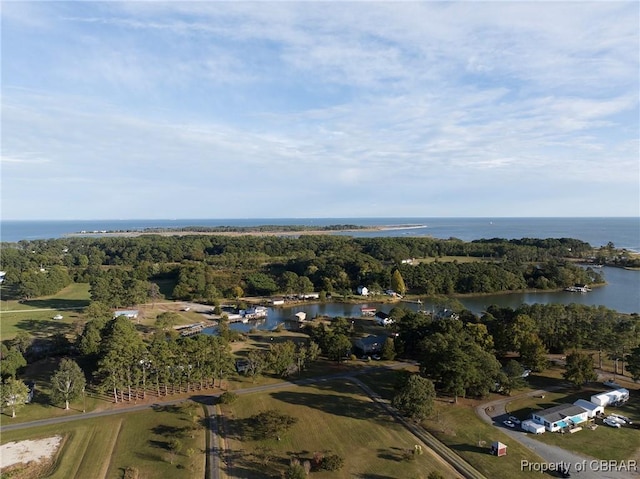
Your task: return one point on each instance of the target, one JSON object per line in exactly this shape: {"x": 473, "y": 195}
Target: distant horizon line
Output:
{"x": 319, "y": 218}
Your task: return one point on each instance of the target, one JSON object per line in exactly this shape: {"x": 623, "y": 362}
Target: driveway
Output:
{"x": 494, "y": 413}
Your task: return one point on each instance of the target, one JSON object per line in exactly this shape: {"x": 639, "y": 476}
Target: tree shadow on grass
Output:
{"x": 57, "y": 303}
{"x": 159, "y": 444}
{"x": 338, "y": 405}
{"x": 41, "y": 328}
{"x": 470, "y": 448}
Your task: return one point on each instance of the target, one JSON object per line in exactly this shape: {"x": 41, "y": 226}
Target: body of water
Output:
{"x": 622, "y": 232}
{"x": 622, "y": 293}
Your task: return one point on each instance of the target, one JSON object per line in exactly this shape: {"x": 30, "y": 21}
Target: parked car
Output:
{"x": 509, "y": 423}
{"x": 620, "y": 416}
{"x": 514, "y": 420}
{"x": 610, "y": 422}
{"x": 617, "y": 419}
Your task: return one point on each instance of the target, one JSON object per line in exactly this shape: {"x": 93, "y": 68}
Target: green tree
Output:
{"x": 12, "y": 361}
{"x": 91, "y": 338}
{"x": 22, "y": 341}
{"x": 633, "y": 363}
{"x": 397, "y": 282}
{"x": 579, "y": 369}
{"x": 67, "y": 382}
{"x": 533, "y": 354}
{"x": 167, "y": 320}
{"x": 388, "y": 350}
{"x": 512, "y": 378}
{"x": 122, "y": 349}
{"x": 256, "y": 363}
{"x": 415, "y": 400}
{"x": 282, "y": 358}
{"x": 270, "y": 424}
{"x": 338, "y": 346}
{"x": 14, "y": 394}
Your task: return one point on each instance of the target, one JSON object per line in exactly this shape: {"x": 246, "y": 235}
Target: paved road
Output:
{"x": 494, "y": 413}
{"x": 214, "y": 449}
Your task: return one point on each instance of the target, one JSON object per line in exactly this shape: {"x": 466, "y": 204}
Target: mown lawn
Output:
{"x": 332, "y": 418}
{"x": 36, "y": 316}
{"x": 458, "y": 427}
{"x": 103, "y": 448}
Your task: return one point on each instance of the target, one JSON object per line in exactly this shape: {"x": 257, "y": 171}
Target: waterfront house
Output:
{"x": 363, "y": 291}
{"x": 300, "y": 316}
{"x": 383, "y": 319}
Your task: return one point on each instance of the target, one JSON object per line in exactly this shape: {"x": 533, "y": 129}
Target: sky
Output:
{"x": 126, "y": 110}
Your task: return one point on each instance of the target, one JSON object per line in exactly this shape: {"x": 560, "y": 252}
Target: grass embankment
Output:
{"x": 332, "y": 418}
{"x": 103, "y": 448}
{"x": 458, "y": 427}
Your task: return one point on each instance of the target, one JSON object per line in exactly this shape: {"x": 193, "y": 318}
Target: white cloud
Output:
{"x": 266, "y": 98}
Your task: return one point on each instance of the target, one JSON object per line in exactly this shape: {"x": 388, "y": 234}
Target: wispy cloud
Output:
{"x": 297, "y": 103}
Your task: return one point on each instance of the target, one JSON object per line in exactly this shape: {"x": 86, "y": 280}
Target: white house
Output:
{"x": 564, "y": 416}
{"x": 301, "y": 317}
{"x": 363, "y": 291}
{"x": 383, "y": 319}
{"x": 531, "y": 426}
{"x": 617, "y": 396}
{"x": 130, "y": 313}
{"x": 592, "y": 409}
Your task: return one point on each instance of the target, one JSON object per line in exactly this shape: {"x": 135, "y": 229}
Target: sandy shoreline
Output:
{"x": 228, "y": 233}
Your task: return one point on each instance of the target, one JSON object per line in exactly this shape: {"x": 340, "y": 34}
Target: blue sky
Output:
{"x": 308, "y": 109}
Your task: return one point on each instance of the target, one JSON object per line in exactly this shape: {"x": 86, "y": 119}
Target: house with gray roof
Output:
{"x": 558, "y": 418}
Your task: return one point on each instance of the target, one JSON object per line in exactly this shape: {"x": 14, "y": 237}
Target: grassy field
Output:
{"x": 103, "y": 448}
{"x": 36, "y": 316}
{"x": 463, "y": 431}
{"x": 332, "y": 418}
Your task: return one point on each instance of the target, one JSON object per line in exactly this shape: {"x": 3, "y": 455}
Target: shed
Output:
{"x": 531, "y": 426}
{"x": 363, "y": 291}
{"x": 592, "y": 409}
{"x": 498, "y": 449}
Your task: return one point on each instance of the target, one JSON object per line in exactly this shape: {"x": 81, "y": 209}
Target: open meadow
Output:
{"x": 458, "y": 427}
{"x": 35, "y": 316}
{"x": 331, "y": 418}
{"x": 103, "y": 448}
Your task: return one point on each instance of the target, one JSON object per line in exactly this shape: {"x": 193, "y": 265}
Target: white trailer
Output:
{"x": 532, "y": 426}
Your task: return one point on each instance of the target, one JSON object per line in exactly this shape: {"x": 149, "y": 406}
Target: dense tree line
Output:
{"x": 214, "y": 266}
